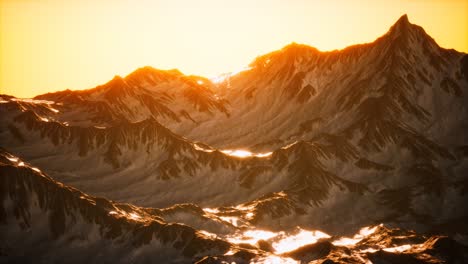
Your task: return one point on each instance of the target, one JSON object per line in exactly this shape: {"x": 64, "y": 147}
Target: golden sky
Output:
{"x": 50, "y": 45}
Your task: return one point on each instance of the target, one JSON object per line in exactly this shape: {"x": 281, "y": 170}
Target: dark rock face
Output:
{"x": 464, "y": 67}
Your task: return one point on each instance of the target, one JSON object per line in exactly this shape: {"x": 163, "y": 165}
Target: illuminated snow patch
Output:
{"x": 12, "y": 159}
{"x": 197, "y": 147}
{"x": 290, "y": 145}
{"x": 368, "y": 230}
{"x": 281, "y": 241}
{"x": 211, "y": 210}
{"x": 229, "y": 253}
{"x": 134, "y": 216}
{"x": 249, "y": 215}
{"x": 273, "y": 260}
{"x": 346, "y": 241}
{"x": 368, "y": 250}
{"x": 222, "y": 77}
{"x": 262, "y": 155}
{"x": 20, "y": 163}
{"x": 282, "y": 194}
{"x": 240, "y": 153}
{"x": 398, "y": 249}
{"x": 243, "y": 207}
{"x": 302, "y": 238}
{"x": 33, "y": 101}
{"x": 251, "y": 237}
{"x": 237, "y": 153}
{"x": 207, "y": 234}
{"x": 54, "y": 110}
{"x": 231, "y": 219}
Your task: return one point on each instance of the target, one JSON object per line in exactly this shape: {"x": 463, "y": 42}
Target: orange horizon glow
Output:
{"x": 53, "y": 45}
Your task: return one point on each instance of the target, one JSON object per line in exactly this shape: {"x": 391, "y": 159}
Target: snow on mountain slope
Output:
{"x": 147, "y": 164}
{"x": 35, "y": 208}
{"x": 298, "y": 90}
{"x": 145, "y": 93}
{"x": 38, "y": 214}
{"x": 400, "y": 101}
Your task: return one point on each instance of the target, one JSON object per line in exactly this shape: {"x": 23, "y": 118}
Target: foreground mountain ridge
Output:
{"x": 38, "y": 208}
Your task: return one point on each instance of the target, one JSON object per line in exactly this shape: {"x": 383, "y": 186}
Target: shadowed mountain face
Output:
{"x": 285, "y": 161}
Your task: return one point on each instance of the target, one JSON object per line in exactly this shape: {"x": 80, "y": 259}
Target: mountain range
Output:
{"x": 349, "y": 156}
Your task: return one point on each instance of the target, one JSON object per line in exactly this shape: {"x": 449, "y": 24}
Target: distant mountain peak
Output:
{"x": 403, "y": 20}
{"x": 117, "y": 80}
{"x": 297, "y": 47}
{"x": 152, "y": 75}
{"x": 403, "y": 33}
{"x": 402, "y": 25}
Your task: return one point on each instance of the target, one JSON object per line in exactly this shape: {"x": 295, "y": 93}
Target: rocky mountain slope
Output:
{"x": 145, "y": 93}
{"x": 403, "y": 79}
{"x": 79, "y": 227}
{"x": 301, "y": 140}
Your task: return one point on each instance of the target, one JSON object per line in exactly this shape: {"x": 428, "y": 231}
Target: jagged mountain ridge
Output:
{"x": 375, "y": 127}
{"x": 38, "y": 208}
{"x": 372, "y": 133}
{"x": 144, "y": 163}
{"x": 299, "y": 84}
{"x": 144, "y": 93}
{"x": 297, "y": 79}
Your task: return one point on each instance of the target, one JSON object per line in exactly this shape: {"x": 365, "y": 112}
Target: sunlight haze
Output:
{"x": 53, "y": 45}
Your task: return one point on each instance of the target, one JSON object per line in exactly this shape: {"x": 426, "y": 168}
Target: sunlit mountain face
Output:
{"x": 352, "y": 156}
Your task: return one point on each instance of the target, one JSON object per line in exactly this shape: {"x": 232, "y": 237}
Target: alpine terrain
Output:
{"x": 357, "y": 155}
